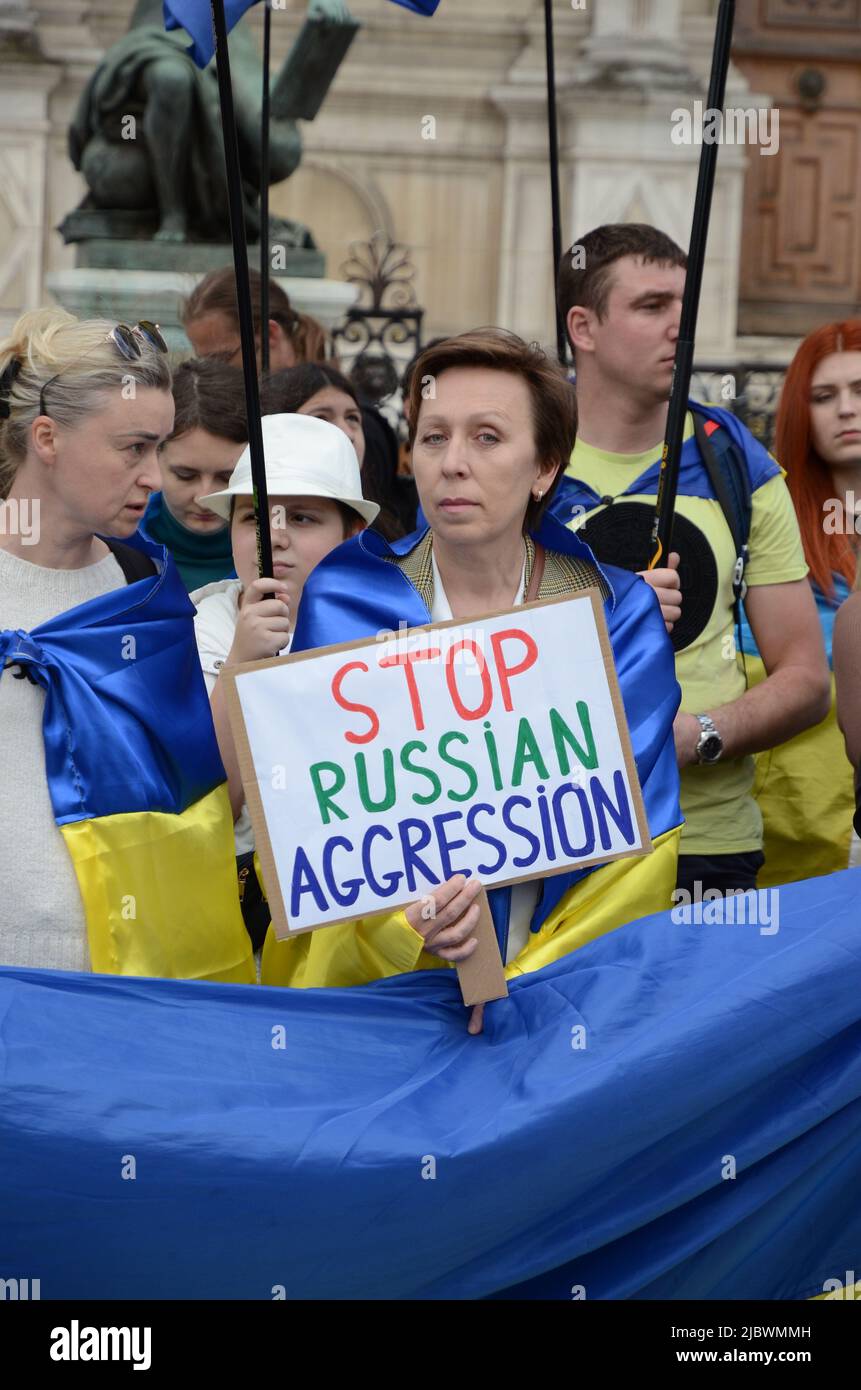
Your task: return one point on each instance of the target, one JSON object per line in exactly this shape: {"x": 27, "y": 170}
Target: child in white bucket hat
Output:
{"x": 315, "y": 503}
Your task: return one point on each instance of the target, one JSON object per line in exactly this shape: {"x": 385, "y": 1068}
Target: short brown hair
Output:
{"x": 216, "y": 294}
{"x": 285, "y": 392}
{"x": 589, "y": 285}
{"x": 554, "y": 404}
{"x": 209, "y": 396}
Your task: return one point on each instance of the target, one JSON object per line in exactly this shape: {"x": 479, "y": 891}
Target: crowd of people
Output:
{"x": 739, "y": 659}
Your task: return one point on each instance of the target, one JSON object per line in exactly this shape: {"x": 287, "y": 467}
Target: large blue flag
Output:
{"x": 195, "y": 17}
{"x": 673, "y": 1111}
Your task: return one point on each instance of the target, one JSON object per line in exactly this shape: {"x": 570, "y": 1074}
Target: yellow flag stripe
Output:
{"x": 160, "y": 893}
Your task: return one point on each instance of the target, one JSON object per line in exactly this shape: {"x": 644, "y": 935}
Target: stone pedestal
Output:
{"x": 125, "y": 296}
{"x": 189, "y": 258}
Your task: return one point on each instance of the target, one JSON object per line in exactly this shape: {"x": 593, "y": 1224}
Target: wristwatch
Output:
{"x": 709, "y": 744}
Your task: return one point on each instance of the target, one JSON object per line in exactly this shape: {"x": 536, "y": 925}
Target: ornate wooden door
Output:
{"x": 801, "y": 240}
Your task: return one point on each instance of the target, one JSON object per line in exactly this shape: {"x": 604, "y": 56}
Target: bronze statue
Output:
{"x": 147, "y": 132}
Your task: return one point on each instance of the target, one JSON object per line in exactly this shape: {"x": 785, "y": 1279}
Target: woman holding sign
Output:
{"x": 490, "y": 440}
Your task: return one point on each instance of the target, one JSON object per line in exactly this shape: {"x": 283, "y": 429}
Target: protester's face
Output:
{"x": 304, "y": 530}
{"x": 634, "y": 345}
{"x": 282, "y": 353}
{"x": 213, "y": 335}
{"x": 341, "y": 410}
{"x": 835, "y": 408}
{"x": 474, "y": 457}
{"x": 192, "y": 466}
{"x": 103, "y": 471}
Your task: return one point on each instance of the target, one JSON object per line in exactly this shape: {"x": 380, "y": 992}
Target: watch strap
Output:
{"x": 709, "y": 730}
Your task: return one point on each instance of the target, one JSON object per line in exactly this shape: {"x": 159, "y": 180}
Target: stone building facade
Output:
{"x": 435, "y": 133}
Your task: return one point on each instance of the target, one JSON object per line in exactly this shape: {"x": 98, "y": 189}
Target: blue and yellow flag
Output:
{"x": 805, "y": 788}
{"x": 136, "y": 781}
{"x": 672, "y": 1112}
{"x": 357, "y": 591}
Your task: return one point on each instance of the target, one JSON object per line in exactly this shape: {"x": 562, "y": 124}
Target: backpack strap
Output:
{"x": 730, "y": 480}
{"x": 134, "y": 563}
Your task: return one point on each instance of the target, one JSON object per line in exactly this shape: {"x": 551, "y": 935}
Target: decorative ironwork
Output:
{"x": 386, "y": 318}
{"x": 751, "y": 390}
{"x": 385, "y": 269}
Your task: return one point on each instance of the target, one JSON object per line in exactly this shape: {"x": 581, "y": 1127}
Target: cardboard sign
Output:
{"x": 377, "y": 769}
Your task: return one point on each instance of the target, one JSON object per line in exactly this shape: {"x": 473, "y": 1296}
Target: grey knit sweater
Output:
{"x": 41, "y": 914}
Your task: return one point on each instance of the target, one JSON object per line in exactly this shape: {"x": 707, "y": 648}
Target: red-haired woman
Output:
{"x": 819, "y": 444}
{"x": 804, "y": 787}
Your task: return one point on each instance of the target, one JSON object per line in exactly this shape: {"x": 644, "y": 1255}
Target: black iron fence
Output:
{"x": 382, "y": 332}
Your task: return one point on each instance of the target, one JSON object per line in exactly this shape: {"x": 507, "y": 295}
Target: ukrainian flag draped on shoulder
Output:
{"x": 358, "y": 591}
{"x": 136, "y": 781}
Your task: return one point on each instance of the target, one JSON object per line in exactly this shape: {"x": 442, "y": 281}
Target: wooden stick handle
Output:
{"x": 482, "y": 977}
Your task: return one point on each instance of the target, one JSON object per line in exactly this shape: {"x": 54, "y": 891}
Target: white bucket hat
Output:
{"x": 305, "y": 457}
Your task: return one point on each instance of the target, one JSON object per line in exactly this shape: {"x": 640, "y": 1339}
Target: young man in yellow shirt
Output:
{"x": 620, "y": 290}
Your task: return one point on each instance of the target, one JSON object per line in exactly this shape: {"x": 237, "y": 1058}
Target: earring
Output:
{"x": 538, "y": 495}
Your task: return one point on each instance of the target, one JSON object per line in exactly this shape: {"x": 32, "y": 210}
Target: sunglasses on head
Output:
{"x": 127, "y": 342}
{"x": 126, "y": 339}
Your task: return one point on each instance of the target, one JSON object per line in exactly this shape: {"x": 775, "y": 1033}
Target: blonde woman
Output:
{"x": 113, "y": 796}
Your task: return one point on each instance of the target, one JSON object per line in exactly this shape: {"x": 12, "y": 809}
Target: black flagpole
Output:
{"x": 264, "y": 191}
{"x": 668, "y": 481}
{"x": 243, "y": 290}
{"x": 556, "y": 215}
